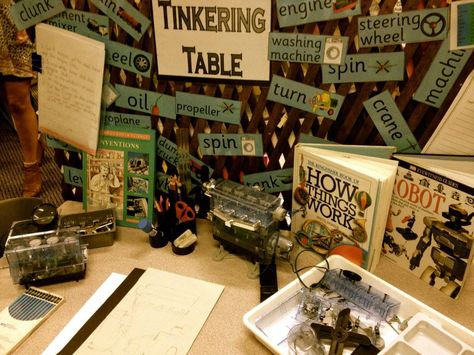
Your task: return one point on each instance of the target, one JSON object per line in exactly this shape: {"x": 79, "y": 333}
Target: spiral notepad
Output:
{"x": 23, "y": 315}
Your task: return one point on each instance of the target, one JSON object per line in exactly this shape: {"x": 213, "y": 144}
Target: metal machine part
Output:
{"x": 247, "y": 220}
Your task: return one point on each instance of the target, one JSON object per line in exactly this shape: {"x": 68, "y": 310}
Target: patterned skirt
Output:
{"x": 15, "y": 52}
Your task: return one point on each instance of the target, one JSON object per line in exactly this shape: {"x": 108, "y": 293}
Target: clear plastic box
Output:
{"x": 45, "y": 257}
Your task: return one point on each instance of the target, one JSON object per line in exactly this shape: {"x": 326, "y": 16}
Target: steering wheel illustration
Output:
{"x": 433, "y": 24}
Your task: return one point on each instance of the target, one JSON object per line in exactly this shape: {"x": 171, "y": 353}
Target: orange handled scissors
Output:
{"x": 162, "y": 205}
{"x": 184, "y": 213}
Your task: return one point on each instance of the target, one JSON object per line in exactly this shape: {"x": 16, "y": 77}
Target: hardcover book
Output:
{"x": 121, "y": 174}
{"x": 430, "y": 230}
{"x": 341, "y": 200}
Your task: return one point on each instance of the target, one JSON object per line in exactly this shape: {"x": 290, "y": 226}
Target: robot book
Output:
{"x": 430, "y": 230}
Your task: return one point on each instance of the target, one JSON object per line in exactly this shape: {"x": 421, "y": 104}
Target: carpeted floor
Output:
{"x": 11, "y": 176}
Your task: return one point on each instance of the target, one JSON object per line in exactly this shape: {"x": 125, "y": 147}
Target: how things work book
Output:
{"x": 341, "y": 200}
{"x": 430, "y": 230}
{"x": 121, "y": 174}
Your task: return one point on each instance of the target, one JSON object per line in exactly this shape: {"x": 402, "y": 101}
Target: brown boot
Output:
{"x": 31, "y": 180}
{"x": 40, "y": 150}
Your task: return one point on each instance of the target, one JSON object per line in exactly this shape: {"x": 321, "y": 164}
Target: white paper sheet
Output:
{"x": 86, "y": 311}
{"x": 70, "y": 86}
{"x": 455, "y": 133}
{"x": 161, "y": 314}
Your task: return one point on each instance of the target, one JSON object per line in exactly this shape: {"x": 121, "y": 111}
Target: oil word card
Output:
{"x": 210, "y": 108}
{"x": 359, "y": 68}
{"x": 271, "y": 181}
{"x": 297, "y": 12}
{"x": 125, "y": 15}
{"x": 85, "y": 23}
{"x": 150, "y": 102}
{"x": 442, "y": 74}
{"x": 390, "y": 123}
{"x": 27, "y": 13}
{"x": 306, "y": 48}
{"x": 403, "y": 27}
{"x": 231, "y": 144}
{"x": 305, "y": 97}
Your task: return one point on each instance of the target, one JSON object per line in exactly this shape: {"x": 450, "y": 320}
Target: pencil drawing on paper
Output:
{"x": 157, "y": 316}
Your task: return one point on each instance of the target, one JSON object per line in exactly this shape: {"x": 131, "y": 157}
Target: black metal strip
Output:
{"x": 88, "y": 328}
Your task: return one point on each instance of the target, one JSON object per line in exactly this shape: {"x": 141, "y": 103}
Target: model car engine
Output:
{"x": 246, "y": 220}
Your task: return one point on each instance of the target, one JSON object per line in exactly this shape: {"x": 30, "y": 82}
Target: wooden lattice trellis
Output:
{"x": 281, "y": 125}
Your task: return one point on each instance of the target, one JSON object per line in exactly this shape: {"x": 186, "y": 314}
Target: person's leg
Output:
{"x": 17, "y": 93}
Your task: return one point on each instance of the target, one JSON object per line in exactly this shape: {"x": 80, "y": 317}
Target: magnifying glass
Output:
{"x": 44, "y": 215}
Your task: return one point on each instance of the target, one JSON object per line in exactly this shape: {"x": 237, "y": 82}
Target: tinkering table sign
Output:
{"x": 212, "y": 39}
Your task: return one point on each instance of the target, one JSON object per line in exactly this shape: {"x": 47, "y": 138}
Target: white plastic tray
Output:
{"x": 425, "y": 336}
{"x": 270, "y": 320}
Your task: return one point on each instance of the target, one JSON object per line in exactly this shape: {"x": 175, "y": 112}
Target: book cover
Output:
{"x": 340, "y": 201}
{"x": 121, "y": 174}
{"x": 430, "y": 230}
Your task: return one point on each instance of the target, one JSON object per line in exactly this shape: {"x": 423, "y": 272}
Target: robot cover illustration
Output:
{"x": 430, "y": 228}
